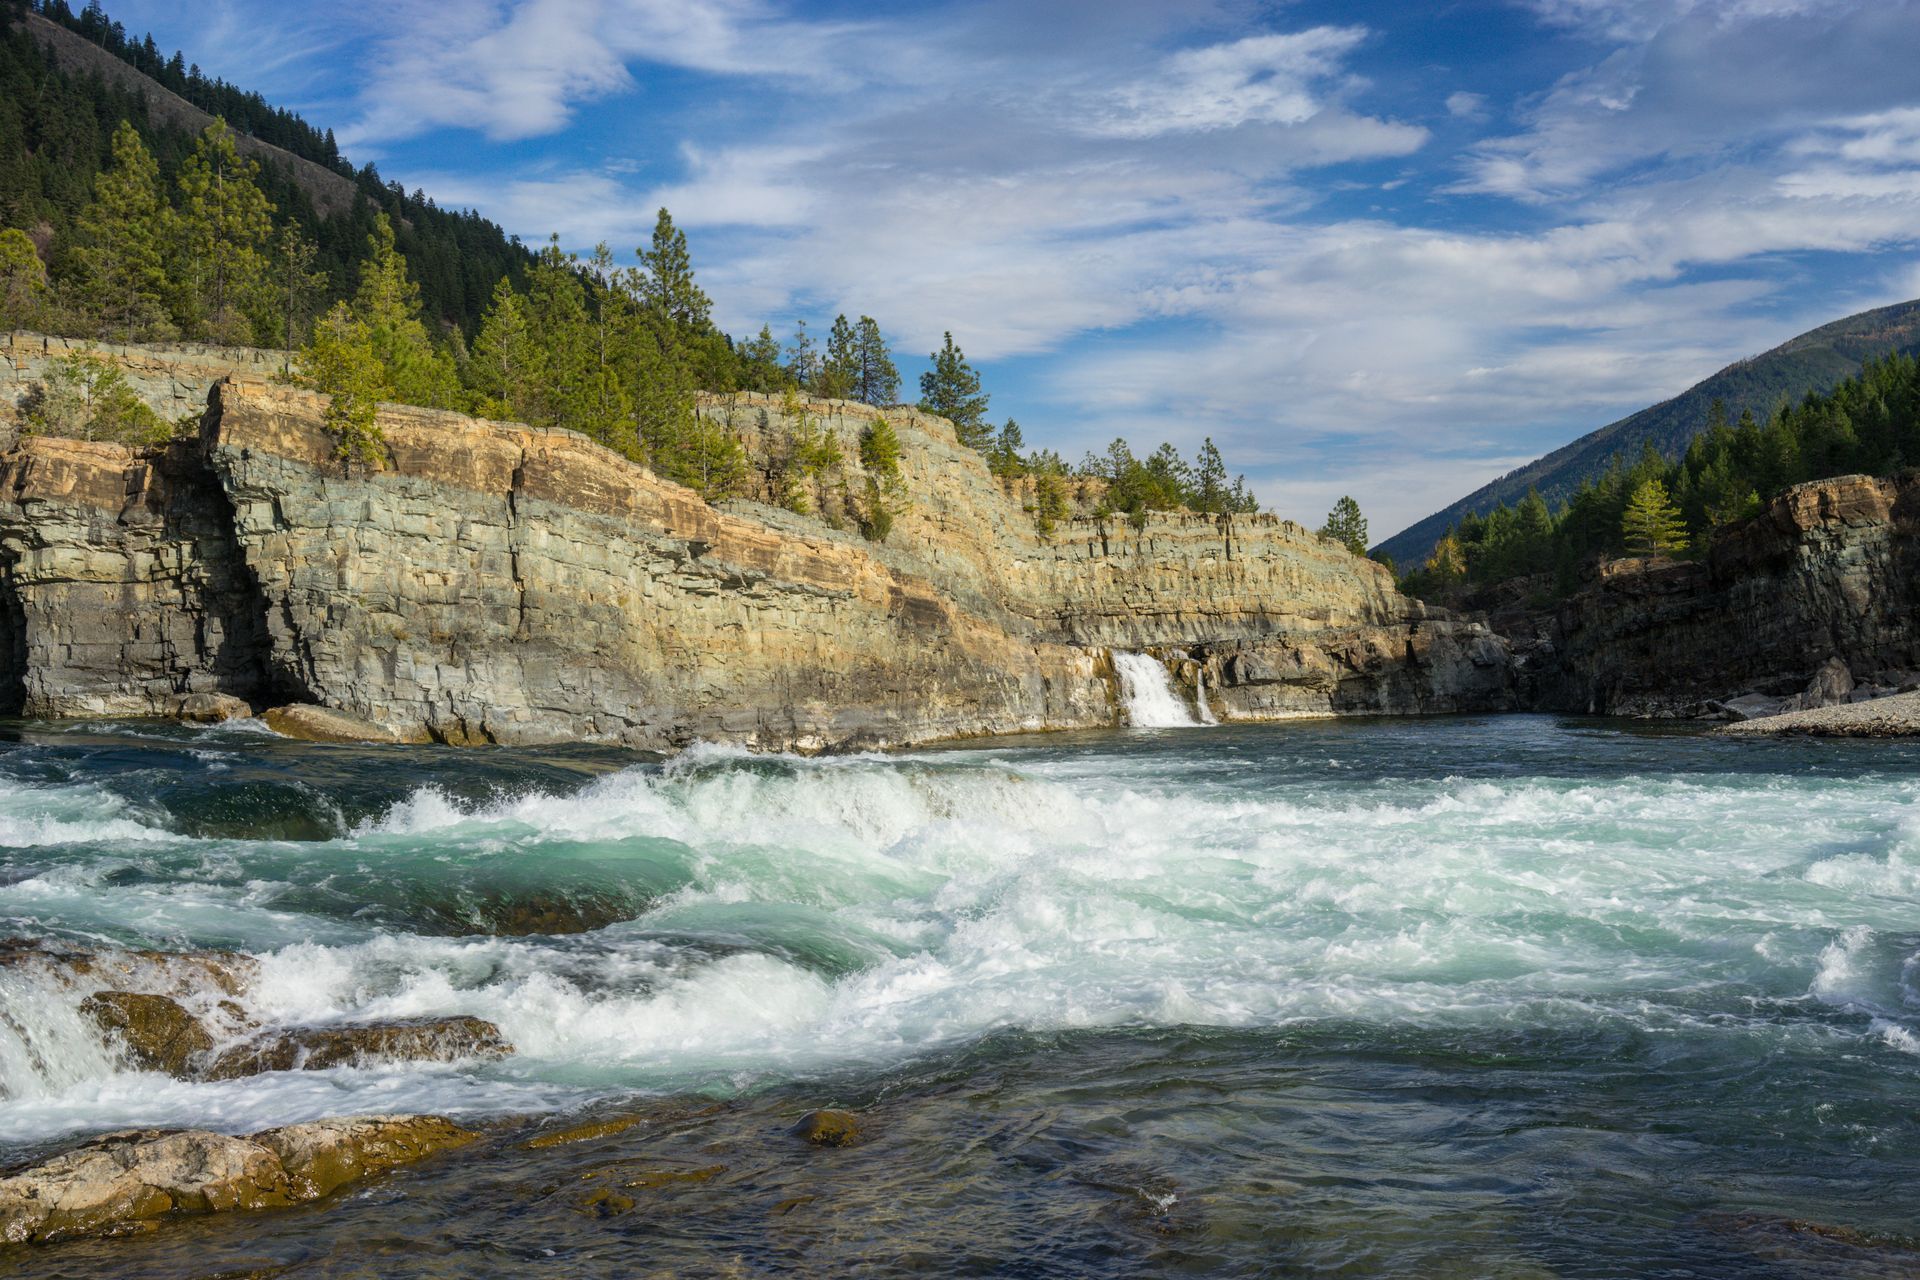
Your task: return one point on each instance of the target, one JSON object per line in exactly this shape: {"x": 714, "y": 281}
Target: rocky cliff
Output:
{"x": 493, "y": 582}
{"x": 1823, "y": 584}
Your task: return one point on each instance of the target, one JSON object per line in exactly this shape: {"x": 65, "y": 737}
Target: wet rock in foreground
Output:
{"x": 131, "y": 1181}
{"x": 829, "y": 1128}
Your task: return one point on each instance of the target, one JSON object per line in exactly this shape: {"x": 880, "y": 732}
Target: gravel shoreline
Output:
{"x": 1897, "y": 716}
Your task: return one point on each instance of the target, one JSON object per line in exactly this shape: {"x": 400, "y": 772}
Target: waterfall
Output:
{"x": 1200, "y": 696}
{"x": 1147, "y": 694}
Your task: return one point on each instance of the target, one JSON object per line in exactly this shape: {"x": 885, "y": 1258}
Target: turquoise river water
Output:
{"x": 1511, "y": 996}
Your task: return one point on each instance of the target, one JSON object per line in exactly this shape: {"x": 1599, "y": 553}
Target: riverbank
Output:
{"x": 1896, "y": 716}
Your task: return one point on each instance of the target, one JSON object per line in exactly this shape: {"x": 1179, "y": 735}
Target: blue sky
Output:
{"x": 1389, "y": 250}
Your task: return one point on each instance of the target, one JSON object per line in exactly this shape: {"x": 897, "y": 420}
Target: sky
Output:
{"x": 1383, "y": 249}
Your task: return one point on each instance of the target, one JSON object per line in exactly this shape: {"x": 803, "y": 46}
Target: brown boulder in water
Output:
{"x": 829, "y": 1128}
{"x": 156, "y": 1033}
{"x": 352, "y": 1044}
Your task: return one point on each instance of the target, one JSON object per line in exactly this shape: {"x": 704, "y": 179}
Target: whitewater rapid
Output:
{"x": 795, "y": 917}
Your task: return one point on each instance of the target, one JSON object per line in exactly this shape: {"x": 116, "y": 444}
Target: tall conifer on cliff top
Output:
{"x": 121, "y": 253}
{"x": 951, "y": 390}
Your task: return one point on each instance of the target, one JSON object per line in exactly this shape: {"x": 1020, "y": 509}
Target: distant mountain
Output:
{"x": 1814, "y": 361}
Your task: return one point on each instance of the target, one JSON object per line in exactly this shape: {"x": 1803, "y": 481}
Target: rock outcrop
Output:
{"x": 132, "y": 1180}
{"x": 1788, "y": 610}
{"x": 493, "y": 582}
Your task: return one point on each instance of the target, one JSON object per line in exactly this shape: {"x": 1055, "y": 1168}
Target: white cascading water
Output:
{"x": 1147, "y": 694}
{"x": 1200, "y": 697}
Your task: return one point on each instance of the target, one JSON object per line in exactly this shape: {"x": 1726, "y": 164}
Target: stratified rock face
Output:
{"x": 121, "y": 587}
{"x": 493, "y": 582}
{"x": 1818, "y": 591}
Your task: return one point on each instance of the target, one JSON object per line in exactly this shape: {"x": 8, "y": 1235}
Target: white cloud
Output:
{"x": 1264, "y": 79}
{"x": 1142, "y": 206}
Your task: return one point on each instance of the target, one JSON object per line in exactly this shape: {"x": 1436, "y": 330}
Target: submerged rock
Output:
{"x": 829, "y": 1128}
{"x": 351, "y": 1044}
{"x": 323, "y": 1155}
{"x": 155, "y": 1031}
{"x": 131, "y": 1180}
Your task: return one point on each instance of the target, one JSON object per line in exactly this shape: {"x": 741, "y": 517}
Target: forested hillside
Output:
{"x": 1868, "y": 424}
{"x": 66, "y": 82}
{"x": 1815, "y": 361}
{"x": 141, "y": 201}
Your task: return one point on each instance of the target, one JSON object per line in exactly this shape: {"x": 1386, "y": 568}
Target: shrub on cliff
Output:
{"x": 886, "y": 494}
{"x": 85, "y": 398}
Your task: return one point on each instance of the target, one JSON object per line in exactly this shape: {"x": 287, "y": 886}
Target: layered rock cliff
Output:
{"x": 1829, "y": 572}
{"x": 498, "y": 583}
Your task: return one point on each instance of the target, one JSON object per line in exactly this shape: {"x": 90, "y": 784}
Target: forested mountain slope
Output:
{"x": 1815, "y": 361}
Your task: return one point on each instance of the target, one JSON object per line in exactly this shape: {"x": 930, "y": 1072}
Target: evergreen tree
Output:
{"x": 120, "y": 256}
{"x": 504, "y": 369}
{"x": 876, "y": 381}
{"x": 885, "y": 488}
{"x": 669, "y": 287}
{"x": 951, "y": 390}
{"x": 840, "y": 369}
{"x": 387, "y": 302}
{"x": 1209, "y": 490}
{"x": 224, "y": 223}
{"x": 1652, "y": 523}
{"x": 1005, "y": 457}
{"x": 803, "y": 360}
{"x": 1346, "y": 526}
{"x": 760, "y": 368}
{"x": 341, "y": 362}
{"x": 297, "y": 284}
{"x": 557, "y": 317}
{"x": 23, "y": 282}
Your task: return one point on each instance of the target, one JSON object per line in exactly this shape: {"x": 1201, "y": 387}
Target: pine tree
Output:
{"x": 557, "y": 317}
{"x": 1209, "y": 492}
{"x": 669, "y": 287}
{"x": 876, "y": 381}
{"x": 760, "y": 368}
{"x": 1652, "y": 523}
{"x": 297, "y": 284}
{"x": 23, "y": 281}
{"x": 387, "y": 302}
{"x": 341, "y": 362}
{"x": 951, "y": 390}
{"x": 503, "y": 370}
{"x": 885, "y": 489}
{"x": 224, "y": 223}
{"x": 121, "y": 254}
{"x": 1346, "y": 526}
{"x": 612, "y": 331}
{"x": 840, "y": 369}
{"x": 803, "y": 359}
{"x": 1005, "y": 457}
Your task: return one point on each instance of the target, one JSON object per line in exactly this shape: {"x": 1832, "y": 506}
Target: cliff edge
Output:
{"x": 492, "y": 582}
